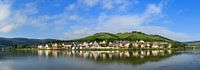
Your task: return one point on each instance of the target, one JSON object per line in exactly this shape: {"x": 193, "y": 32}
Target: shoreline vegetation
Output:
{"x": 113, "y": 49}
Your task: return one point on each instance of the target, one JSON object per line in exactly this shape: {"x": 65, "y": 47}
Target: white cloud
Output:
{"x": 76, "y": 33}
{"x": 11, "y": 19}
{"x": 6, "y": 28}
{"x": 73, "y": 17}
{"x": 118, "y": 23}
{"x": 4, "y": 11}
{"x": 119, "y": 5}
{"x": 8, "y": 24}
{"x": 128, "y": 22}
{"x": 30, "y": 8}
{"x": 108, "y": 5}
{"x": 25, "y": 15}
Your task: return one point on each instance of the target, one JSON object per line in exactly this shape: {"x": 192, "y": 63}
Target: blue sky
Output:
{"x": 71, "y": 19}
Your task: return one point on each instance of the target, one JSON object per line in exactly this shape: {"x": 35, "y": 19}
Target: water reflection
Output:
{"x": 134, "y": 57}
{"x": 99, "y": 60}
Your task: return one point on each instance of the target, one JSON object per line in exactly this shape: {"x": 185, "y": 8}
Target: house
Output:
{"x": 47, "y": 46}
{"x": 90, "y": 43}
{"x": 103, "y": 42}
{"x": 142, "y": 44}
{"x": 127, "y": 45}
{"x": 169, "y": 45}
{"x": 75, "y": 47}
{"x": 81, "y": 46}
{"x": 66, "y": 46}
{"x": 124, "y": 44}
{"x": 55, "y": 46}
{"x": 155, "y": 45}
{"x": 148, "y": 44}
{"x": 43, "y": 47}
{"x": 86, "y": 45}
{"x": 95, "y": 44}
{"x": 120, "y": 45}
{"x": 141, "y": 41}
{"x": 40, "y": 47}
{"x": 110, "y": 44}
{"x": 135, "y": 45}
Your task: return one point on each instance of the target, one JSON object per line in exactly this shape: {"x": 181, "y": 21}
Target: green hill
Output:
{"x": 129, "y": 36}
{"x": 100, "y": 37}
{"x": 4, "y": 42}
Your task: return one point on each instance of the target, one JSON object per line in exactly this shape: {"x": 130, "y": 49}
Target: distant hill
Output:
{"x": 193, "y": 43}
{"x": 133, "y": 36}
{"x": 130, "y": 36}
{"x": 21, "y": 41}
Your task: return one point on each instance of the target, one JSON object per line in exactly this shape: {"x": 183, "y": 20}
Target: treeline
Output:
{"x": 22, "y": 42}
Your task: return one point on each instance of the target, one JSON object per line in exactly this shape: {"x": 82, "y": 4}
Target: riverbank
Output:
{"x": 110, "y": 49}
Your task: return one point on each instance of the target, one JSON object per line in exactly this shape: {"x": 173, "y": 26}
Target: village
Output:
{"x": 105, "y": 45}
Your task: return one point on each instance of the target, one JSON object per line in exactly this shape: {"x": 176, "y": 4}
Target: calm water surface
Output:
{"x": 100, "y": 60}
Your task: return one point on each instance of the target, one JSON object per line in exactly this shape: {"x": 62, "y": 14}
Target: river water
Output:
{"x": 100, "y": 60}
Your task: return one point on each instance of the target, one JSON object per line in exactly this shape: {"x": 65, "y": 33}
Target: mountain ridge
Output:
{"x": 22, "y": 41}
{"x": 193, "y": 43}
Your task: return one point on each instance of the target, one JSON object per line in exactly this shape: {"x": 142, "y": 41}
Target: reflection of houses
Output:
{"x": 107, "y": 54}
{"x": 117, "y": 56}
{"x": 47, "y": 53}
{"x": 120, "y": 54}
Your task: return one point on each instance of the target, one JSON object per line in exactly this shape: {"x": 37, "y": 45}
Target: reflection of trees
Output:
{"x": 14, "y": 54}
{"x": 134, "y": 57}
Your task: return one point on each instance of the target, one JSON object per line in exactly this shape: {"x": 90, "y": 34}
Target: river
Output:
{"x": 100, "y": 60}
